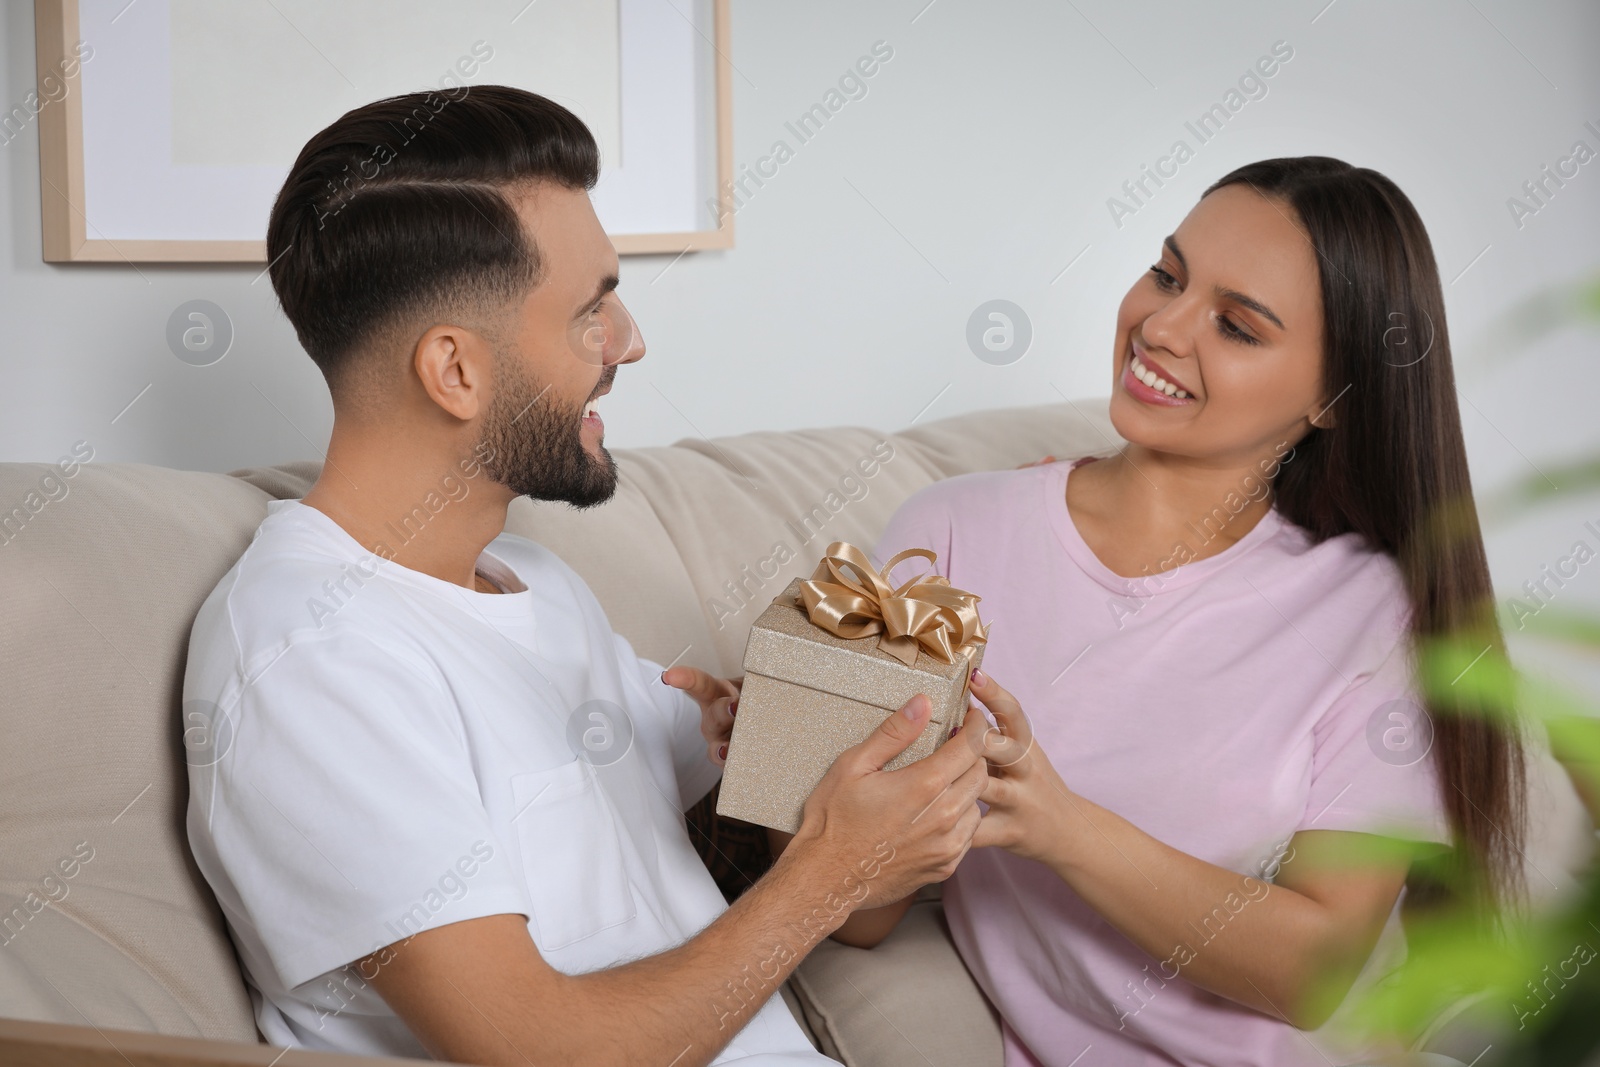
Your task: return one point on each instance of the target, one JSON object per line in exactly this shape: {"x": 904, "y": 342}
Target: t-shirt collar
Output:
{"x": 509, "y": 605}
{"x": 1055, "y": 506}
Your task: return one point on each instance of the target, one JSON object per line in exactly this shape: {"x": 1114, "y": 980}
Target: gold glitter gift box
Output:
{"x": 827, "y": 662}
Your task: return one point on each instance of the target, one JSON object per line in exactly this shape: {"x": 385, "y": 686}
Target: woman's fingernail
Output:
{"x": 978, "y": 678}
{"x": 722, "y": 753}
{"x": 957, "y": 730}
{"x": 733, "y": 709}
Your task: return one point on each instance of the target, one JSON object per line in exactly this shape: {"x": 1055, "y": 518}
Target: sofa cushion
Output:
{"x": 908, "y": 1002}
{"x": 701, "y": 517}
{"x": 102, "y": 584}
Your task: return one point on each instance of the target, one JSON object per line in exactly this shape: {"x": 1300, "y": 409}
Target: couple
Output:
{"x": 1185, "y": 852}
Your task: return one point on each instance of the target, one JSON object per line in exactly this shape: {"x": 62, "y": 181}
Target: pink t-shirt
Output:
{"x": 1220, "y": 707}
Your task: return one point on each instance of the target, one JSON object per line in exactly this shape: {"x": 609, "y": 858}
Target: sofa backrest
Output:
{"x": 104, "y": 918}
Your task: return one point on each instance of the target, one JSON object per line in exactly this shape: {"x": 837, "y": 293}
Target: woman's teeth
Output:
{"x": 1155, "y": 381}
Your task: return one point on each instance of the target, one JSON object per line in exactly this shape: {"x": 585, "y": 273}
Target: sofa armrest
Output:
{"x": 24, "y": 1043}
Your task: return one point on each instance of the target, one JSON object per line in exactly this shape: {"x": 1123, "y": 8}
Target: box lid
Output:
{"x": 786, "y": 645}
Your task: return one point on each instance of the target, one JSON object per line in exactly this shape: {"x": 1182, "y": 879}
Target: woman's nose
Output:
{"x": 1174, "y": 327}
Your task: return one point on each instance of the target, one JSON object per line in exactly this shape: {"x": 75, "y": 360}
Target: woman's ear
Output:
{"x": 1324, "y": 419}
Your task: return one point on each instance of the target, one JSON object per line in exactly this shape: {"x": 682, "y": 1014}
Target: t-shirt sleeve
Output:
{"x": 692, "y": 769}
{"x": 1372, "y": 763}
{"x": 346, "y": 811}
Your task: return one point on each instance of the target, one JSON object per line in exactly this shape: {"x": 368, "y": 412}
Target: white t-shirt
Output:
{"x": 374, "y": 751}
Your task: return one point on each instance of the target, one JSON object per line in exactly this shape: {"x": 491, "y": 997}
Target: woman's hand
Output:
{"x": 1315, "y": 926}
{"x": 1027, "y": 798}
{"x": 719, "y": 702}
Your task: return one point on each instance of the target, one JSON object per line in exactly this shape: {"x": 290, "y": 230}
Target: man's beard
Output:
{"x": 535, "y": 449}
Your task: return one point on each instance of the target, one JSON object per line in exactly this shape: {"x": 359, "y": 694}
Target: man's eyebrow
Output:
{"x": 1228, "y": 294}
{"x": 607, "y": 284}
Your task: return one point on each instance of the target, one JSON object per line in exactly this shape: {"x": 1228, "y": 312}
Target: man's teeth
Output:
{"x": 592, "y": 410}
{"x": 1155, "y": 381}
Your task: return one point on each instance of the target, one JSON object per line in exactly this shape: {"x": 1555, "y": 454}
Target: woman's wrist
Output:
{"x": 1071, "y": 837}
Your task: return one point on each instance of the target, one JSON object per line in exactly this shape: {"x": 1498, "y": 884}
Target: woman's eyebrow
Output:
{"x": 1177, "y": 253}
{"x": 1227, "y": 294}
{"x": 1254, "y": 305}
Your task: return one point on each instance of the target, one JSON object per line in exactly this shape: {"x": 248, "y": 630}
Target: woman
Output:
{"x": 1199, "y": 831}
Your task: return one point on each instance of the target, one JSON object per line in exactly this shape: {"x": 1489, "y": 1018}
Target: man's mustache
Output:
{"x": 605, "y": 381}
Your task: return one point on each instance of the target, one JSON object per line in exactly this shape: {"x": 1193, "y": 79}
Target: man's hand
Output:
{"x": 886, "y": 834}
{"x": 718, "y": 699}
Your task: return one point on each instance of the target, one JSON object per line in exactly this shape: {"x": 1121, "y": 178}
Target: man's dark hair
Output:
{"x": 400, "y": 209}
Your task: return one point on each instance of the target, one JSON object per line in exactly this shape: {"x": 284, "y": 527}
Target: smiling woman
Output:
{"x": 1256, "y": 668}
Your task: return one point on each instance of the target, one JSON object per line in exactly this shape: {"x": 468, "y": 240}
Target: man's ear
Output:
{"x": 452, "y": 363}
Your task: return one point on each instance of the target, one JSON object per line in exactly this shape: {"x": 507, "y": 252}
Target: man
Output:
{"x": 416, "y": 848}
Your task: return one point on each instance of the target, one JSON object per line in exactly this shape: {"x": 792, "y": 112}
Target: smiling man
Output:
{"x": 411, "y": 855}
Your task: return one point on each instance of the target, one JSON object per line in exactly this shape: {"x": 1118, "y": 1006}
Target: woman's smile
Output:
{"x": 1145, "y": 381}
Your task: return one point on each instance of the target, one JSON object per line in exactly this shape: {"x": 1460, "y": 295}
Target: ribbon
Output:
{"x": 925, "y": 613}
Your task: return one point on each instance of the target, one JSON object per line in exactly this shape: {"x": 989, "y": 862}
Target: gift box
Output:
{"x": 827, "y": 661}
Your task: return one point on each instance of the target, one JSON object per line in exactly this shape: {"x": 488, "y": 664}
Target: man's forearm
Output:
{"x": 687, "y": 1003}
{"x": 866, "y": 926}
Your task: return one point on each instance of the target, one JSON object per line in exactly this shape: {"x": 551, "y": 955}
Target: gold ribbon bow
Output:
{"x": 926, "y": 613}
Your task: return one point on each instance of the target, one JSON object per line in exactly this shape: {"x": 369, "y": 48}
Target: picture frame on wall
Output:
{"x": 166, "y": 127}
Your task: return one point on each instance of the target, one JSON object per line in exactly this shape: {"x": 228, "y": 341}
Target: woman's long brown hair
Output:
{"x": 1393, "y": 469}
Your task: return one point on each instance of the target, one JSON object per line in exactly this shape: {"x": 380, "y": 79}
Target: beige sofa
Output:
{"x": 103, "y": 571}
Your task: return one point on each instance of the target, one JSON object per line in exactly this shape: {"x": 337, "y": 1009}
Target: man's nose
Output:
{"x": 632, "y": 349}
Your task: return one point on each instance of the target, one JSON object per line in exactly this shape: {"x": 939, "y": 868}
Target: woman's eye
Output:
{"x": 1225, "y": 326}
{"x": 1163, "y": 279}
{"x": 1229, "y": 330}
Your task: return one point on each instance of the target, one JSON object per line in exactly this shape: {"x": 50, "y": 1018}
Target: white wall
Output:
{"x": 977, "y": 166}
